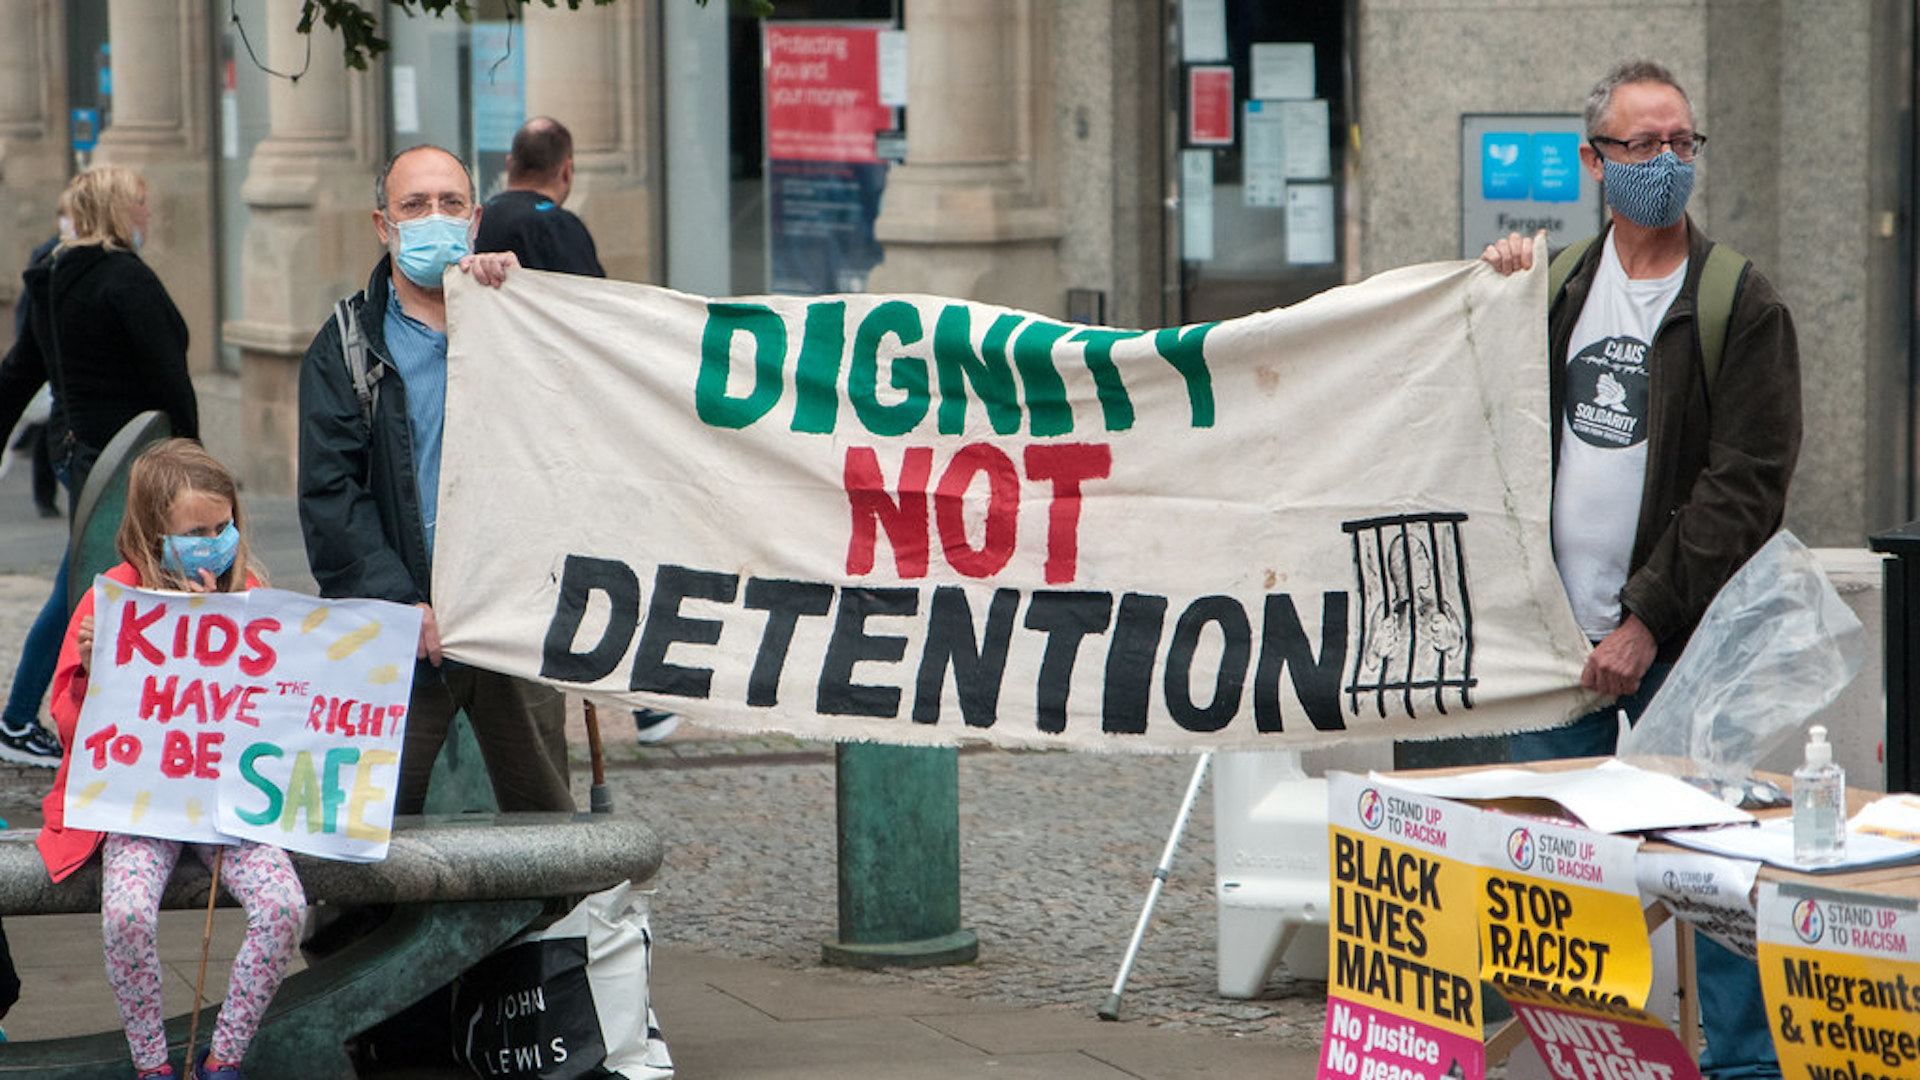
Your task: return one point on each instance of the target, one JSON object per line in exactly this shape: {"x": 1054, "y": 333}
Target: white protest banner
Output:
{"x": 919, "y": 521}
{"x": 262, "y": 715}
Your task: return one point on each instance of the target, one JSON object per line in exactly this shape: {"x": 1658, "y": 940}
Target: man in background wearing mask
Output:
{"x": 1664, "y": 484}
{"x": 369, "y": 482}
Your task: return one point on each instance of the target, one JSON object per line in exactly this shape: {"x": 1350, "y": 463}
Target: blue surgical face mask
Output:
{"x": 188, "y": 555}
{"x": 424, "y": 247}
{"x": 1651, "y": 193}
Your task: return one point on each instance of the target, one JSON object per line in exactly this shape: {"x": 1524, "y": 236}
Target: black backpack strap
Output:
{"x": 50, "y": 357}
{"x": 354, "y": 349}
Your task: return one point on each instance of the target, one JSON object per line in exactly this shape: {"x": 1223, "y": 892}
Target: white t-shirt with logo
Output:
{"x": 1603, "y": 437}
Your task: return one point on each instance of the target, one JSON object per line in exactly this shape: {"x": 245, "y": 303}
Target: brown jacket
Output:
{"x": 1718, "y": 458}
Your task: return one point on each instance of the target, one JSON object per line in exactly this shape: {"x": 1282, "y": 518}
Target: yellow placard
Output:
{"x": 1560, "y": 911}
{"x": 1398, "y": 936}
{"x": 1841, "y": 975}
{"x": 1403, "y": 999}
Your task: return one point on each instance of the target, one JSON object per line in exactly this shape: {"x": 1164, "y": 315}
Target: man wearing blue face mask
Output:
{"x": 372, "y": 401}
{"x": 1671, "y": 455}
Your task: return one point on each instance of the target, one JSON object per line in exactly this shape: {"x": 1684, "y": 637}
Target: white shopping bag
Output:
{"x": 570, "y": 1002}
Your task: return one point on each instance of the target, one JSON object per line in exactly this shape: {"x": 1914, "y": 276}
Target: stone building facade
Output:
{"x": 1059, "y": 156}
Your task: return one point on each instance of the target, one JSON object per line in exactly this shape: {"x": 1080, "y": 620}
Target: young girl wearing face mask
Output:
{"x": 182, "y": 531}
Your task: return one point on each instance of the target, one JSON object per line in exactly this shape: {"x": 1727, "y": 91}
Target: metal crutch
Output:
{"x": 1110, "y": 1010}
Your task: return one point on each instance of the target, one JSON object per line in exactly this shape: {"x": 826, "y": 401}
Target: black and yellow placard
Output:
{"x": 1403, "y": 997}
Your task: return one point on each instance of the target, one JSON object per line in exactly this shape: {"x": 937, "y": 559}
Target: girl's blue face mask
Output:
{"x": 424, "y": 247}
{"x": 188, "y": 555}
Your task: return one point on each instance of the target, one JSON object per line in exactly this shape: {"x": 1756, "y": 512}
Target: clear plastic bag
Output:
{"x": 1774, "y": 648}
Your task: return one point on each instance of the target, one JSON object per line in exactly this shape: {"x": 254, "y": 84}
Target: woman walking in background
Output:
{"x": 103, "y": 332}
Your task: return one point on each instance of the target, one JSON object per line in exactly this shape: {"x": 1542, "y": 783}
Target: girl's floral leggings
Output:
{"x": 261, "y": 877}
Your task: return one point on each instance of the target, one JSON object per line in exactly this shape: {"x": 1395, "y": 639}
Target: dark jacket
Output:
{"x": 1718, "y": 458}
{"x": 44, "y": 251}
{"x": 540, "y": 232}
{"x": 359, "y": 498}
{"x": 121, "y": 348}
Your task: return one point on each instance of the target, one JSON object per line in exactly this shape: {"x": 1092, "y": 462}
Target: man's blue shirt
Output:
{"x": 420, "y": 357}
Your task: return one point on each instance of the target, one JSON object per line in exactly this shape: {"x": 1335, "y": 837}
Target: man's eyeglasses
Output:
{"x": 414, "y": 206}
{"x": 1646, "y": 148}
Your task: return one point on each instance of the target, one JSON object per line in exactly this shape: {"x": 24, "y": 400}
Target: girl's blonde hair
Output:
{"x": 101, "y": 202}
{"x": 159, "y": 476}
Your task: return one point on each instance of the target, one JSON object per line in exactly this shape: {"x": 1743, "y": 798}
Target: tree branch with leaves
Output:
{"x": 358, "y": 23}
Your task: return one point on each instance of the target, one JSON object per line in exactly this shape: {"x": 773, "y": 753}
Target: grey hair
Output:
{"x": 1600, "y": 98}
{"x": 380, "y": 182}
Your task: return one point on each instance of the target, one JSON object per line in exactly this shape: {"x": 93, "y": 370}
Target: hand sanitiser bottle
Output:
{"x": 1819, "y": 804}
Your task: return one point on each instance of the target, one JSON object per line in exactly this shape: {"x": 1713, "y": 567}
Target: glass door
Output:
{"x": 1261, "y": 96}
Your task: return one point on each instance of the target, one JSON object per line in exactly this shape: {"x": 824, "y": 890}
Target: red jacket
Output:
{"x": 65, "y": 850}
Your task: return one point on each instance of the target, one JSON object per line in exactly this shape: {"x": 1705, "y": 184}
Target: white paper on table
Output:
{"x": 1772, "y": 843}
{"x": 1896, "y": 816}
{"x": 1310, "y": 223}
{"x": 1282, "y": 69}
{"x": 1610, "y": 797}
{"x": 1305, "y": 125}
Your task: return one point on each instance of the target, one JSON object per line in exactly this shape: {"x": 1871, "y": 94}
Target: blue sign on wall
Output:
{"x": 1557, "y": 158}
{"x": 1521, "y": 173}
{"x": 85, "y": 128}
{"x": 1506, "y": 165}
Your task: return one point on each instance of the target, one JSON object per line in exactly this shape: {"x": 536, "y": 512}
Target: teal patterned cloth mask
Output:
{"x": 1649, "y": 193}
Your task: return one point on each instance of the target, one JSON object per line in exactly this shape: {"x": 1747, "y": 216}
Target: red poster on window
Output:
{"x": 823, "y": 93}
{"x": 1210, "y": 105}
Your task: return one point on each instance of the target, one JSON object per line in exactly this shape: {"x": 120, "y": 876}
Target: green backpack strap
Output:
{"x": 1561, "y": 268}
{"x": 1719, "y": 283}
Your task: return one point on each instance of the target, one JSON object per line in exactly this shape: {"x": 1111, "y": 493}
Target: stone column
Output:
{"x": 587, "y": 69}
{"x": 974, "y": 213}
{"x": 310, "y": 238}
{"x": 161, "y": 78}
{"x": 33, "y": 137}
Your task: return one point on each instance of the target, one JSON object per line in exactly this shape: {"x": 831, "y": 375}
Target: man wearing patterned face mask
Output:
{"x": 370, "y": 476}
{"x": 1671, "y": 456}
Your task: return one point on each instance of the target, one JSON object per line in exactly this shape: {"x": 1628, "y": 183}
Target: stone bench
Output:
{"x": 461, "y": 886}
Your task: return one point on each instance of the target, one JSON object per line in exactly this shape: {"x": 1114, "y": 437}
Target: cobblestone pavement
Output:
{"x": 1057, "y": 852}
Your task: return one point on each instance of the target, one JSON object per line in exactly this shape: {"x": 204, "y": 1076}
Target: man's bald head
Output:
{"x": 382, "y": 184}
{"x": 541, "y": 149}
